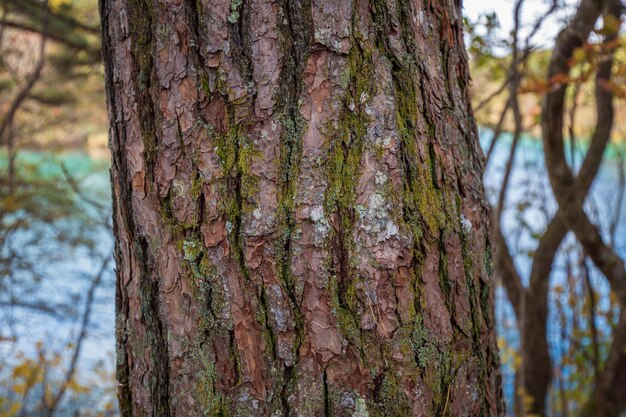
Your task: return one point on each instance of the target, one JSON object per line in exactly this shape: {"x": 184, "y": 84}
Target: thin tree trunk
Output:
{"x": 300, "y": 223}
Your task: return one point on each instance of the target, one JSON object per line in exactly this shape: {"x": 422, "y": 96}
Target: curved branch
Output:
{"x": 58, "y": 37}
{"x": 504, "y": 267}
{"x": 31, "y": 7}
{"x": 609, "y": 395}
{"x": 563, "y": 183}
{"x": 7, "y": 120}
{"x": 56, "y": 399}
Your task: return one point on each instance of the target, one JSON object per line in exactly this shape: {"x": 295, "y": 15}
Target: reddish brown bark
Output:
{"x": 300, "y": 221}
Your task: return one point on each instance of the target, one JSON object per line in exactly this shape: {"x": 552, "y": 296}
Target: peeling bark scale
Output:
{"x": 301, "y": 228}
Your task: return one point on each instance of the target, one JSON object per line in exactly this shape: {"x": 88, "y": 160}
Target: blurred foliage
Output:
{"x": 30, "y": 385}
{"x": 483, "y": 42}
{"x": 65, "y": 108}
{"x": 54, "y": 206}
{"x": 489, "y": 50}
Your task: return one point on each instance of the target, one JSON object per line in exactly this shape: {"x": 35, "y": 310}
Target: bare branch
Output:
{"x": 31, "y": 81}
{"x": 504, "y": 267}
{"x": 497, "y": 132}
{"x": 592, "y": 317}
{"x": 617, "y": 211}
{"x": 28, "y": 6}
{"x": 563, "y": 183}
{"x": 69, "y": 375}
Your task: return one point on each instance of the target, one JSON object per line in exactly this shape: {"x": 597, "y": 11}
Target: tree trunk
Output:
{"x": 299, "y": 216}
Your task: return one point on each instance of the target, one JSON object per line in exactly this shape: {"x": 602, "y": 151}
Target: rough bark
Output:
{"x": 299, "y": 216}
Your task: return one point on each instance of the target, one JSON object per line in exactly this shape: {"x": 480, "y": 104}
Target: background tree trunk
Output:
{"x": 299, "y": 216}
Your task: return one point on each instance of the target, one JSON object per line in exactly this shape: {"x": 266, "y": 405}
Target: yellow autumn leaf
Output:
{"x": 13, "y": 410}
{"x": 580, "y": 55}
{"x": 26, "y": 370}
{"x": 20, "y": 388}
{"x": 57, "y": 4}
{"x": 611, "y": 25}
{"x": 78, "y": 388}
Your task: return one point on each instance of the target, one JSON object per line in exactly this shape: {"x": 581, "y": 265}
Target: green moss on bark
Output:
{"x": 142, "y": 16}
{"x": 345, "y": 142}
{"x": 389, "y": 398}
{"x": 347, "y": 318}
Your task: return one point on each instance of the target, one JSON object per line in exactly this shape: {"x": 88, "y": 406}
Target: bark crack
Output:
{"x": 297, "y": 35}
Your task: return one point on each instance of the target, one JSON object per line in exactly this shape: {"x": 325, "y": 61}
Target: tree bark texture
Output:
{"x": 300, "y": 222}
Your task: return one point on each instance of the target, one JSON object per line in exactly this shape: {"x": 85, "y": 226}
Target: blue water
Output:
{"x": 62, "y": 254}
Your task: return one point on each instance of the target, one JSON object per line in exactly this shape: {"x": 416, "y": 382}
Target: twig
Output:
{"x": 51, "y": 408}
{"x": 32, "y": 79}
